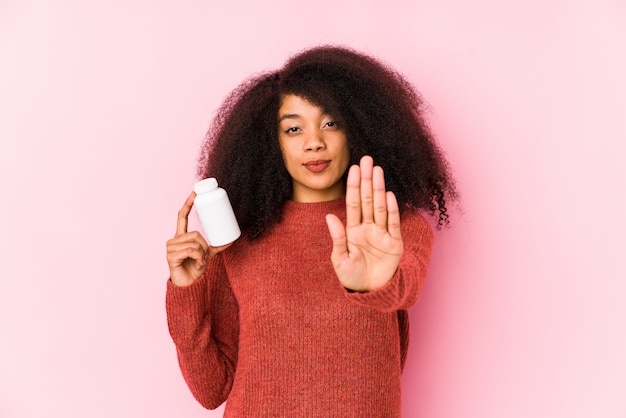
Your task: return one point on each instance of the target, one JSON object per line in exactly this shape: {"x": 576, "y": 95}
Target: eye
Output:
{"x": 331, "y": 124}
{"x": 292, "y": 129}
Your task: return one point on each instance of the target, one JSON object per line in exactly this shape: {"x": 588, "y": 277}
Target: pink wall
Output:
{"x": 102, "y": 109}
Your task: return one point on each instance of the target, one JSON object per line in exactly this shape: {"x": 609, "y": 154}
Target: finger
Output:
{"x": 183, "y": 215}
{"x": 353, "y": 197}
{"x": 180, "y": 246}
{"x": 176, "y": 258}
{"x": 188, "y": 238}
{"x": 338, "y": 235}
{"x": 367, "y": 195}
{"x": 380, "y": 198}
{"x": 393, "y": 216}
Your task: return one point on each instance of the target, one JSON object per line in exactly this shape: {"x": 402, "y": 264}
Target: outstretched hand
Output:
{"x": 366, "y": 252}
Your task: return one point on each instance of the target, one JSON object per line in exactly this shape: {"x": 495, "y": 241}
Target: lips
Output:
{"x": 317, "y": 166}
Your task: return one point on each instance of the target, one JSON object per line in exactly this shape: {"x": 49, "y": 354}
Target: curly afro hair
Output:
{"x": 382, "y": 116}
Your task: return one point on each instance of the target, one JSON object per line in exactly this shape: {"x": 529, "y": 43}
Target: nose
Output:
{"x": 315, "y": 141}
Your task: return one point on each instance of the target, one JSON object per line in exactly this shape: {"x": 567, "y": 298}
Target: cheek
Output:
{"x": 288, "y": 160}
{"x": 345, "y": 151}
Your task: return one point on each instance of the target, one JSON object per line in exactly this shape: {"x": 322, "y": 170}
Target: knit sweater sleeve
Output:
{"x": 403, "y": 290}
{"x": 204, "y": 324}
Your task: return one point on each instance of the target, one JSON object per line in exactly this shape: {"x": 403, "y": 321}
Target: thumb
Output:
{"x": 338, "y": 235}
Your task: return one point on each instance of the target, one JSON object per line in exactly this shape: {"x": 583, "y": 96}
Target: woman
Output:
{"x": 305, "y": 314}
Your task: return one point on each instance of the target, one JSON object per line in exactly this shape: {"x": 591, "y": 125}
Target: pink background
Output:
{"x": 102, "y": 109}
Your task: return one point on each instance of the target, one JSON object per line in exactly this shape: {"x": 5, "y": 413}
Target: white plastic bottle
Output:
{"x": 215, "y": 212}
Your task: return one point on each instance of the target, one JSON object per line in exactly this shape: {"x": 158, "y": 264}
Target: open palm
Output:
{"x": 366, "y": 252}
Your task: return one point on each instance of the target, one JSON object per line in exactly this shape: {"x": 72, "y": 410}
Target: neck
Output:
{"x": 315, "y": 196}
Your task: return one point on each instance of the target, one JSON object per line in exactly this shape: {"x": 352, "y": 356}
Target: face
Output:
{"x": 315, "y": 150}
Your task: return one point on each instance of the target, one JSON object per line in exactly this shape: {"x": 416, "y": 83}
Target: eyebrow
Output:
{"x": 288, "y": 116}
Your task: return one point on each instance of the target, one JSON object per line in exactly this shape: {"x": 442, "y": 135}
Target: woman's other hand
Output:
{"x": 366, "y": 252}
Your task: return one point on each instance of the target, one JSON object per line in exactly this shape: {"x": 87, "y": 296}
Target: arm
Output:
{"x": 372, "y": 255}
{"x": 202, "y": 313}
{"x": 404, "y": 287}
{"x": 204, "y": 324}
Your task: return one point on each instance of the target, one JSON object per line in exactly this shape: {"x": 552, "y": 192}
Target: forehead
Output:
{"x": 295, "y": 105}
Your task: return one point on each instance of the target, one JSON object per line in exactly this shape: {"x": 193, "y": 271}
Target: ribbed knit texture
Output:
{"x": 270, "y": 329}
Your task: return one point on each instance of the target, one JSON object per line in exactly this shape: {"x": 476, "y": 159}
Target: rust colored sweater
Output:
{"x": 270, "y": 329}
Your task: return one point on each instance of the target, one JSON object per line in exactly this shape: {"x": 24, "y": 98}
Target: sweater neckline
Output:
{"x": 295, "y": 211}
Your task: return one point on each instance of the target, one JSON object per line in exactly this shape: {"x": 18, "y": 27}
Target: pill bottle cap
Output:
{"x": 206, "y": 185}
